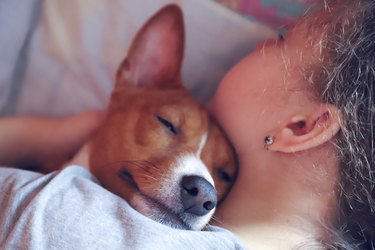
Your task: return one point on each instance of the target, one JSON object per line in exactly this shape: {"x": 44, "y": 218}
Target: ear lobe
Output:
{"x": 155, "y": 56}
{"x": 309, "y": 131}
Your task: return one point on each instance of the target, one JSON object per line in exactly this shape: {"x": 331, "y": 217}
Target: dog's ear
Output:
{"x": 155, "y": 56}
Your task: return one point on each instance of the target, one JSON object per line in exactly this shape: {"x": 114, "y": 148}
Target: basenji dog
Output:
{"x": 158, "y": 148}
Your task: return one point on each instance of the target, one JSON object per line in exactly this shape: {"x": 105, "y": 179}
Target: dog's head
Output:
{"x": 158, "y": 148}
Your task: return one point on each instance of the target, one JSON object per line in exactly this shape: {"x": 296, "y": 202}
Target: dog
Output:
{"x": 158, "y": 148}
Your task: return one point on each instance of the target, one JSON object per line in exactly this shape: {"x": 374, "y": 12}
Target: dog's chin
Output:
{"x": 158, "y": 212}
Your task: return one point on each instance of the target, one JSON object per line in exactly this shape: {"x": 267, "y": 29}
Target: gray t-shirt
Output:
{"x": 68, "y": 209}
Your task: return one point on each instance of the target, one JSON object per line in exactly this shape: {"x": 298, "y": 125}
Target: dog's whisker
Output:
{"x": 147, "y": 176}
{"x": 215, "y": 220}
{"x": 137, "y": 163}
{"x": 151, "y": 164}
{"x": 146, "y": 165}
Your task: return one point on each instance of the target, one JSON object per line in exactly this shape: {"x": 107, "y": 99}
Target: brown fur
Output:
{"x": 133, "y": 139}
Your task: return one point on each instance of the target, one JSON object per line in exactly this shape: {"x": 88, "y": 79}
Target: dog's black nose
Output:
{"x": 198, "y": 195}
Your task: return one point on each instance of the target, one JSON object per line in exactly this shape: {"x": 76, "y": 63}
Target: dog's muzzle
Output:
{"x": 198, "y": 196}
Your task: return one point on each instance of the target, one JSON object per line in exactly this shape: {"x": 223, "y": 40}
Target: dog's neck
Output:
{"x": 82, "y": 157}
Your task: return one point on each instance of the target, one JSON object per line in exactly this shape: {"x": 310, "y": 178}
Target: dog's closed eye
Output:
{"x": 167, "y": 124}
{"x": 224, "y": 176}
{"x": 126, "y": 176}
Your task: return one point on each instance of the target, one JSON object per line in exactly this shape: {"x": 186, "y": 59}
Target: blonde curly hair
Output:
{"x": 344, "y": 76}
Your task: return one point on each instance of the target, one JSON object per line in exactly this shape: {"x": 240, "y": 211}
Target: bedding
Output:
{"x": 274, "y": 13}
{"x": 60, "y": 57}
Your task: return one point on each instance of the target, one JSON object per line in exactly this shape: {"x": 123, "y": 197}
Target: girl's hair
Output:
{"x": 345, "y": 76}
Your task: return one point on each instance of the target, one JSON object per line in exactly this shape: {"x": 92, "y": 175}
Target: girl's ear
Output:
{"x": 306, "y": 131}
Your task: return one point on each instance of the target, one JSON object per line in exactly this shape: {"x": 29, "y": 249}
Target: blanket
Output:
{"x": 68, "y": 209}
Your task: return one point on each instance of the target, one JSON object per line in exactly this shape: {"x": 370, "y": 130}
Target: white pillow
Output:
{"x": 77, "y": 46}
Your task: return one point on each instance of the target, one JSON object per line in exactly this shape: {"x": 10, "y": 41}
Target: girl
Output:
{"x": 300, "y": 112}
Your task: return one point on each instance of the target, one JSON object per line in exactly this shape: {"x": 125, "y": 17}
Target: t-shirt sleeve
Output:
{"x": 68, "y": 209}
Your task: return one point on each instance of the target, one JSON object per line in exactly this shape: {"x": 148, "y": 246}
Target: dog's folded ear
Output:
{"x": 155, "y": 55}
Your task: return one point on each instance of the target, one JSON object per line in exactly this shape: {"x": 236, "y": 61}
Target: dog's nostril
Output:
{"x": 198, "y": 196}
{"x": 193, "y": 191}
{"x": 208, "y": 205}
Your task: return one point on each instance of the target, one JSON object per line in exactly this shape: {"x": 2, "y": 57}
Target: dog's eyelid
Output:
{"x": 167, "y": 124}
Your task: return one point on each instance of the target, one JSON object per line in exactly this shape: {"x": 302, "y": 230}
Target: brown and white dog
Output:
{"x": 158, "y": 148}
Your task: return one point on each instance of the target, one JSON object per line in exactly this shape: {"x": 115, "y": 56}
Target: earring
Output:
{"x": 268, "y": 140}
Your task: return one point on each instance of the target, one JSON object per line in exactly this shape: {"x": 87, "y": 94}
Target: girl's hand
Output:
{"x": 44, "y": 144}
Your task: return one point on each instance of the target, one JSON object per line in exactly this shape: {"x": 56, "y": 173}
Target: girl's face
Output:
{"x": 268, "y": 93}
{"x": 264, "y": 89}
